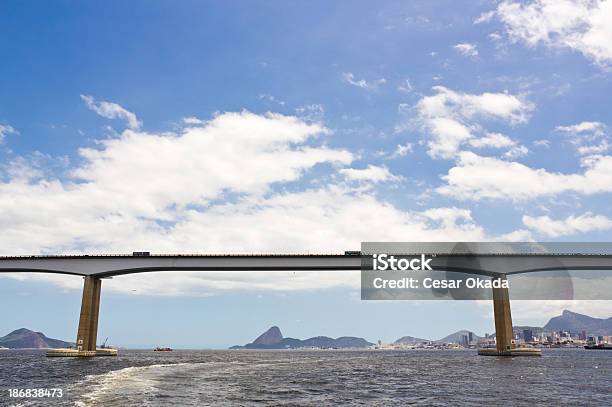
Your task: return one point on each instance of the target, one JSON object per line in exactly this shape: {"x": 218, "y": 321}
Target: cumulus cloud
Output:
{"x": 372, "y": 173}
{"x": 5, "y": 130}
{"x": 466, "y": 49}
{"x": 138, "y": 179}
{"x": 476, "y": 177}
{"x": 582, "y": 25}
{"x": 452, "y": 119}
{"x": 349, "y": 78}
{"x": 571, "y": 225}
{"x": 112, "y": 110}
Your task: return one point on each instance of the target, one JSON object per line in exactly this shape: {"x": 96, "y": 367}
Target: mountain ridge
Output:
{"x": 273, "y": 339}
{"x": 575, "y": 322}
{"x": 24, "y": 338}
{"x": 567, "y": 321}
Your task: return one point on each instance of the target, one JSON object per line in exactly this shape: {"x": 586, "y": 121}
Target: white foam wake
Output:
{"x": 129, "y": 383}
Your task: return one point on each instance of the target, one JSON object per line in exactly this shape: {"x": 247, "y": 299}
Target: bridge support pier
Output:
{"x": 88, "y": 321}
{"x": 503, "y": 321}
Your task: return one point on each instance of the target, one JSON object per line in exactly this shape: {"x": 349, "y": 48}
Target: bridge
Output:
{"x": 94, "y": 268}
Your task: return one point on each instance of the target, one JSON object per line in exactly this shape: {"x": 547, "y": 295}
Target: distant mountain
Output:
{"x": 457, "y": 337}
{"x": 271, "y": 336}
{"x": 410, "y": 340}
{"x": 574, "y": 322}
{"x": 273, "y": 339}
{"x": 24, "y": 338}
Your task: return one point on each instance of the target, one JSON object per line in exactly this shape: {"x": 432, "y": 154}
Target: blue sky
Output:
{"x": 293, "y": 127}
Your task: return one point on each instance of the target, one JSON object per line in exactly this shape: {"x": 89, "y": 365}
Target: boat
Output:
{"x": 601, "y": 346}
{"x": 3, "y": 348}
{"x": 158, "y": 349}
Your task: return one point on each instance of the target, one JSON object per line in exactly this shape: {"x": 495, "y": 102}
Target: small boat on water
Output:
{"x": 158, "y": 349}
{"x": 3, "y": 348}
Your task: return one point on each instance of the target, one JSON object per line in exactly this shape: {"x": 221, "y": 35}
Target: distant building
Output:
{"x": 528, "y": 335}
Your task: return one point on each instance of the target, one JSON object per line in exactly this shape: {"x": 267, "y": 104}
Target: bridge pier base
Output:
{"x": 503, "y": 321}
{"x": 503, "y": 329}
{"x": 88, "y": 322}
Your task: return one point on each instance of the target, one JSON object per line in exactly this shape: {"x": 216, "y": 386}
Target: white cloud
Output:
{"x": 349, "y": 78}
{"x": 600, "y": 148}
{"x": 466, "y": 49}
{"x": 498, "y": 140}
{"x": 589, "y": 138}
{"x": 402, "y": 150}
{"x": 516, "y": 152}
{"x": 405, "y": 86}
{"x": 583, "y": 127}
{"x": 571, "y": 225}
{"x": 542, "y": 143}
{"x": 111, "y": 110}
{"x": 485, "y": 17}
{"x": 503, "y": 106}
{"x": 495, "y": 140}
{"x": 5, "y": 130}
{"x": 475, "y": 177}
{"x": 372, "y": 173}
{"x": 313, "y": 112}
{"x": 520, "y": 235}
{"x": 582, "y": 25}
{"x": 138, "y": 179}
{"x": 450, "y": 118}
{"x": 495, "y": 36}
{"x": 193, "y": 120}
{"x": 447, "y": 136}
{"x": 270, "y": 98}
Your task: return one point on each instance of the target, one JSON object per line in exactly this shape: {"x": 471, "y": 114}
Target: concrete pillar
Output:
{"x": 503, "y": 319}
{"x": 88, "y": 321}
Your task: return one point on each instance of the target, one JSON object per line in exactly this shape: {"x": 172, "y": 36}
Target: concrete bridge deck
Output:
{"x": 94, "y": 268}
